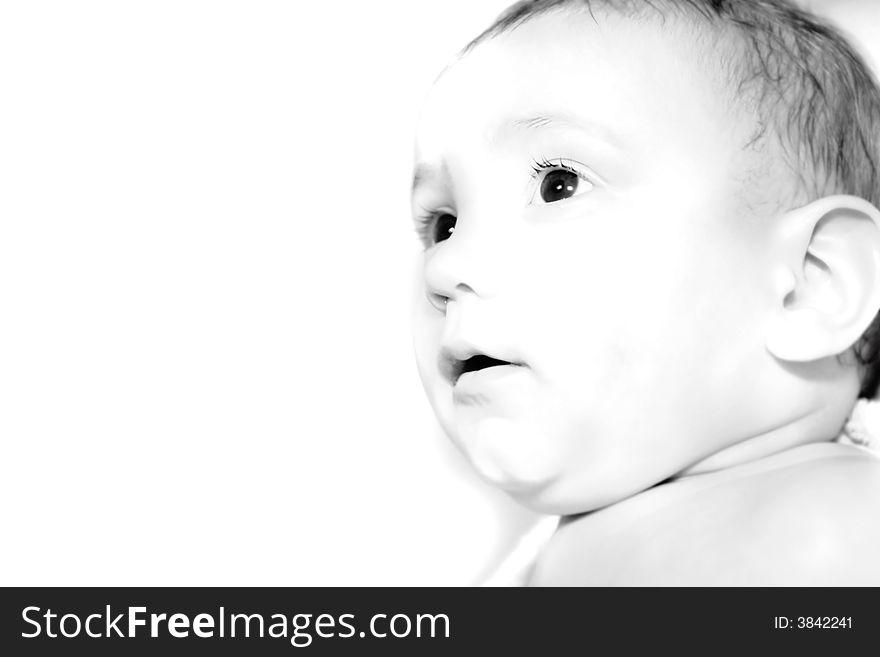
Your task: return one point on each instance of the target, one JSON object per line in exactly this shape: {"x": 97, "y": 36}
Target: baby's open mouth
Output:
{"x": 475, "y": 364}
{"x": 459, "y": 357}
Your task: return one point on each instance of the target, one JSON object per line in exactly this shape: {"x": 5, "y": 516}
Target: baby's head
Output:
{"x": 652, "y": 246}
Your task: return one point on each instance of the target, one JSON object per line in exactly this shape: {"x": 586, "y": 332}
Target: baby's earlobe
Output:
{"x": 798, "y": 336}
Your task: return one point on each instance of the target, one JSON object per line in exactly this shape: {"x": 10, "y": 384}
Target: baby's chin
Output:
{"x": 534, "y": 466}
{"x": 509, "y": 455}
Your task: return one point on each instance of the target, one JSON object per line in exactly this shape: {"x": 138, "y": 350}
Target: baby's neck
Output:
{"x": 812, "y": 427}
{"x": 649, "y": 502}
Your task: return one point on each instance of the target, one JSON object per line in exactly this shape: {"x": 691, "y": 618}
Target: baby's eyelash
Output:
{"x": 561, "y": 163}
{"x": 424, "y": 220}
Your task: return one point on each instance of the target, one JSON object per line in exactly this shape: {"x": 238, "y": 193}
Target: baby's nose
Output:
{"x": 464, "y": 264}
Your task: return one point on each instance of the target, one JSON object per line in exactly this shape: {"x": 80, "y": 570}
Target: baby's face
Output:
{"x": 601, "y": 256}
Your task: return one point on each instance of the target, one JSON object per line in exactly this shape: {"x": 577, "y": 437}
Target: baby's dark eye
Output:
{"x": 559, "y": 180}
{"x": 558, "y": 185}
{"x": 443, "y": 228}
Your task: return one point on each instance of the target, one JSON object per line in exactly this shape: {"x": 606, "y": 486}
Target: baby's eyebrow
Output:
{"x": 532, "y": 122}
{"x": 557, "y": 120}
{"x": 423, "y": 172}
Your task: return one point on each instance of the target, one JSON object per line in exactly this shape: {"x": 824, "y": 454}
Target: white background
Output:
{"x": 206, "y": 274}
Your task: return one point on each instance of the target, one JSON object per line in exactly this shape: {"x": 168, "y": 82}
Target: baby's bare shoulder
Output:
{"x": 812, "y": 523}
{"x": 815, "y": 523}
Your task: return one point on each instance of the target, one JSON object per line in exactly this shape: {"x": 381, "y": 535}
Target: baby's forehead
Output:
{"x": 564, "y": 57}
{"x": 625, "y": 79}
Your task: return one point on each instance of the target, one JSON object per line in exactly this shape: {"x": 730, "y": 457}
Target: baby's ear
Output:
{"x": 827, "y": 278}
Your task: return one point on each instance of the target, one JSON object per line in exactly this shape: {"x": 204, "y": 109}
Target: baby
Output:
{"x": 652, "y": 281}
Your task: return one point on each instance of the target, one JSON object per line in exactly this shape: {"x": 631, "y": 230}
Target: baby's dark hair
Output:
{"x": 803, "y": 81}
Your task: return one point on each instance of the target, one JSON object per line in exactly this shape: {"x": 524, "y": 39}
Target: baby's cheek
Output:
{"x": 427, "y": 331}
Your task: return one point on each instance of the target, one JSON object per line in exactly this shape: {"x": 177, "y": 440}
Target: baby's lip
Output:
{"x": 458, "y": 358}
